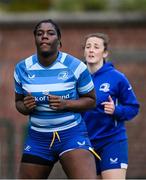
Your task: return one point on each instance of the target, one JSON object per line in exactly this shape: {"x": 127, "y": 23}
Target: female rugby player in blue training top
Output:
{"x": 116, "y": 103}
{"x": 52, "y": 87}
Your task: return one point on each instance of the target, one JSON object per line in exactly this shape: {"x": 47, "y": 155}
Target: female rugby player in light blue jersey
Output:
{"x": 115, "y": 104}
{"x": 52, "y": 87}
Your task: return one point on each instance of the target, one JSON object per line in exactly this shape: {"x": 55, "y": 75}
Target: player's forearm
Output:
{"x": 80, "y": 105}
{"x": 22, "y": 108}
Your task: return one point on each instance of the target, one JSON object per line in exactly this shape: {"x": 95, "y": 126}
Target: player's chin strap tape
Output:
{"x": 55, "y": 134}
{"x": 92, "y": 150}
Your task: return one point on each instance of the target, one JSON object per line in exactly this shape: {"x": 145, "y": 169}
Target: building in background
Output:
{"x": 128, "y": 41}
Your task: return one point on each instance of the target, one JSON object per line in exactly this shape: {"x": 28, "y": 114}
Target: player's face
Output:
{"x": 94, "y": 50}
{"x": 46, "y": 38}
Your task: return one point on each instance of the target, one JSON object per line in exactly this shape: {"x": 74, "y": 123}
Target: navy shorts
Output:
{"x": 41, "y": 149}
{"x": 114, "y": 155}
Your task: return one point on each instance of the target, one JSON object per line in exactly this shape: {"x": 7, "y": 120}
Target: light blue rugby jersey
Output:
{"x": 66, "y": 77}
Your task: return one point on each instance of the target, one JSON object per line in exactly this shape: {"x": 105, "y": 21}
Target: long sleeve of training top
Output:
{"x": 127, "y": 106}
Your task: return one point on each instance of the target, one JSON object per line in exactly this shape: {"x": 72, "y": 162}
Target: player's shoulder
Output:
{"x": 120, "y": 76}
{"x": 118, "y": 73}
{"x": 25, "y": 62}
{"x": 72, "y": 61}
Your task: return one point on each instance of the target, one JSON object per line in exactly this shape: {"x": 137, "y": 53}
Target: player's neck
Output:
{"x": 93, "y": 67}
{"x": 47, "y": 59}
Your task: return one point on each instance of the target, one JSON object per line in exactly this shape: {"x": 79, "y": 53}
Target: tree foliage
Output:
{"x": 132, "y": 5}
{"x": 26, "y": 5}
{"x": 71, "y": 5}
{"x": 79, "y": 5}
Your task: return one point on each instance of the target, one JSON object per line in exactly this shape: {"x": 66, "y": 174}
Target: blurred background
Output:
{"x": 125, "y": 23}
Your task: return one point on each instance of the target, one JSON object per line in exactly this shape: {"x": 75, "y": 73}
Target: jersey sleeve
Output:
{"x": 127, "y": 106}
{"x": 85, "y": 83}
{"x": 17, "y": 81}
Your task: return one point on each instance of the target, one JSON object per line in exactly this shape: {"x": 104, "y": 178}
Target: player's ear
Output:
{"x": 59, "y": 43}
{"x": 105, "y": 54}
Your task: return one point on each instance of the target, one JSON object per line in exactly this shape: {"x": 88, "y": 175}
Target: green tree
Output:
{"x": 132, "y": 5}
{"x": 79, "y": 5}
{"x": 27, "y": 5}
